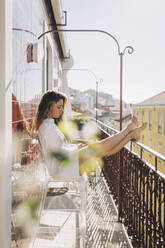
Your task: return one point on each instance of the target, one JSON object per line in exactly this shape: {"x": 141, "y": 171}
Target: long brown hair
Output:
{"x": 44, "y": 108}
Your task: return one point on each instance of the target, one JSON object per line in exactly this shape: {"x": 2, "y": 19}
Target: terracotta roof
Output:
{"x": 158, "y": 99}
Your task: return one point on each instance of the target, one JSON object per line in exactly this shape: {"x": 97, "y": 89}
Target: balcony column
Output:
{"x": 64, "y": 87}
{"x": 5, "y": 120}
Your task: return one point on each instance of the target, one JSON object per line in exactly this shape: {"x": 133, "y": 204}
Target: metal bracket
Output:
{"x": 61, "y": 25}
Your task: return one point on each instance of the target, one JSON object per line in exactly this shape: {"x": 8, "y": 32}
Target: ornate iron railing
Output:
{"x": 138, "y": 189}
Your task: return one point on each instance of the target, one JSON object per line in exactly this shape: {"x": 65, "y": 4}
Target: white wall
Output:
{"x": 5, "y": 120}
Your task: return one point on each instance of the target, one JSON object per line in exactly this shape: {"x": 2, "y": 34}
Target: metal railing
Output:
{"x": 111, "y": 131}
{"x": 138, "y": 189}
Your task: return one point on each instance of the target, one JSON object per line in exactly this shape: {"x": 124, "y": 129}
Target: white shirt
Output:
{"x": 53, "y": 140}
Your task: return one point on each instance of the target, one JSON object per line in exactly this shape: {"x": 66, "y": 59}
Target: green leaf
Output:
{"x": 61, "y": 157}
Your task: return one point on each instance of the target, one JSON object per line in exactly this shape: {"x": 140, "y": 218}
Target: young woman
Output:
{"x": 54, "y": 144}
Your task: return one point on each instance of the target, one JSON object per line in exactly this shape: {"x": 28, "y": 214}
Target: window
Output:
{"x": 150, "y": 120}
{"x": 159, "y": 146}
{"x": 143, "y": 116}
{"x": 150, "y": 142}
{"x": 150, "y": 145}
{"x": 49, "y": 76}
{"x": 164, "y": 122}
{"x": 159, "y": 122}
{"x": 137, "y": 114}
{"x": 143, "y": 139}
{"x": 47, "y": 68}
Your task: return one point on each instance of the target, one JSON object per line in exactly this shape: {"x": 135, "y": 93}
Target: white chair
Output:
{"x": 63, "y": 219}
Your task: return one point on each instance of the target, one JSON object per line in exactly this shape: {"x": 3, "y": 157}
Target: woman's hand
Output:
{"x": 81, "y": 145}
{"x": 133, "y": 124}
{"x": 137, "y": 131}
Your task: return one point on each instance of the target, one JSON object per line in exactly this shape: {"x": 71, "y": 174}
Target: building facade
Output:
{"x": 152, "y": 111}
{"x": 83, "y": 101}
{"x": 28, "y": 67}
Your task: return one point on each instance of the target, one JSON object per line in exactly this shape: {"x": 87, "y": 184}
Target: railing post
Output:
{"x": 120, "y": 180}
{"x": 121, "y": 89}
{"x": 156, "y": 163}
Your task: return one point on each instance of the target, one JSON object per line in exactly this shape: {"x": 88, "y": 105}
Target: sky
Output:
{"x": 138, "y": 23}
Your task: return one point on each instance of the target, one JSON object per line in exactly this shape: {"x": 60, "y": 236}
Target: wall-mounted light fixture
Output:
{"x": 33, "y": 52}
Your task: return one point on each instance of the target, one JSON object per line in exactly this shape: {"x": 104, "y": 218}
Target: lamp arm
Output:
{"x": 129, "y": 48}
{"x": 82, "y": 30}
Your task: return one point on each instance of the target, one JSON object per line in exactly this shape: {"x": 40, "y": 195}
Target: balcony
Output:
{"x": 125, "y": 207}
{"x": 139, "y": 194}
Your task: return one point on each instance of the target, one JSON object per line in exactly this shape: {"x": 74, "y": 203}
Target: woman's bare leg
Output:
{"x": 114, "y": 144}
{"x": 135, "y": 134}
{"x": 117, "y": 138}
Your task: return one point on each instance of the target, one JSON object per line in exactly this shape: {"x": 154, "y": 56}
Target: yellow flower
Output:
{"x": 68, "y": 128}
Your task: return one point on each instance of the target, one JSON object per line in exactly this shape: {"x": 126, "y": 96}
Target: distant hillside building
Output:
{"x": 152, "y": 110}
{"x": 83, "y": 101}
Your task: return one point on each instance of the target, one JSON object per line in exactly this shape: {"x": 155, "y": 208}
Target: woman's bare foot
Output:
{"x": 133, "y": 124}
{"x": 137, "y": 131}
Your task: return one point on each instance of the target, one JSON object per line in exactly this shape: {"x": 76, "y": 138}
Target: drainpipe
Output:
{"x": 53, "y": 14}
{"x": 60, "y": 17}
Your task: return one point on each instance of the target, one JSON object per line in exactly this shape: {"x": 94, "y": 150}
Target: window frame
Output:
{"x": 150, "y": 120}
{"x": 159, "y": 122}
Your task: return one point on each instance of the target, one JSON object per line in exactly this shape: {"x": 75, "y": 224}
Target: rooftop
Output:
{"x": 158, "y": 99}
